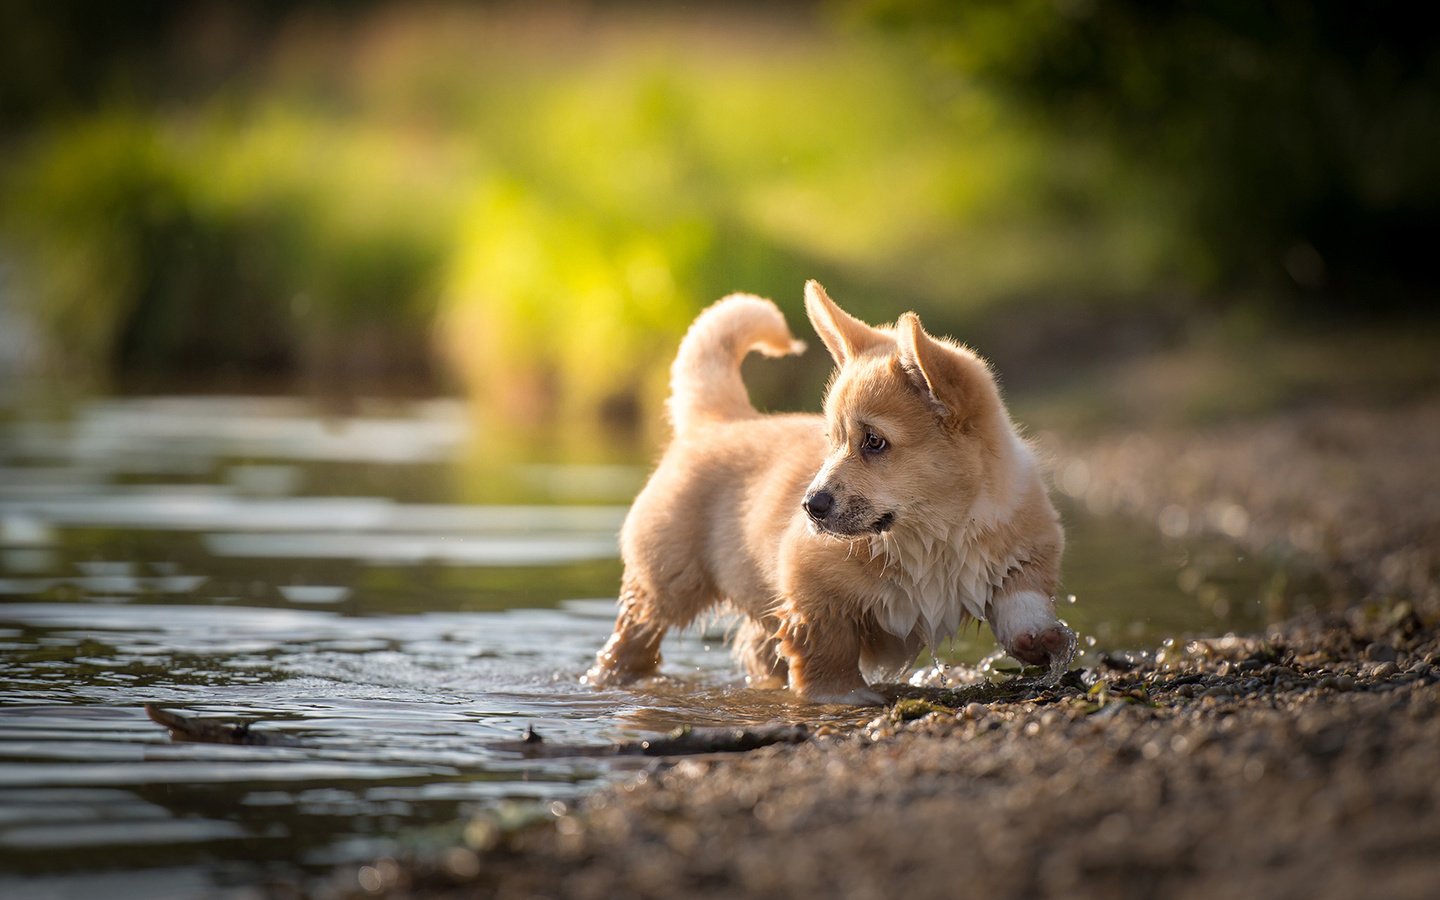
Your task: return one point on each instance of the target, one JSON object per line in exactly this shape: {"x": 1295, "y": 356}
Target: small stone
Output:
{"x": 975, "y": 710}
{"x": 1344, "y": 683}
{"x": 1385, "y": 670}
{"x": 1379, "y": 652}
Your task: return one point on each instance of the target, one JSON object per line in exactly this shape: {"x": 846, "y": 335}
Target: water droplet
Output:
{"x": 1174, "y": 521}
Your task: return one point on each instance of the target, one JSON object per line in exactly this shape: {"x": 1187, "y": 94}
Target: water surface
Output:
{"x": 262, "y": 558}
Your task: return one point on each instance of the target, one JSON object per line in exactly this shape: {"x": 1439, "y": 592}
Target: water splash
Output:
{"x": 936, "y": 675}
{"x": 987, "y": 663}
{"x": 1060, "y": 662}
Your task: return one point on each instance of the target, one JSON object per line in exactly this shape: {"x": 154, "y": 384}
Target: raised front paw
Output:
{"x": 1037, "y": 648}
{"x": 1025, "y": 624}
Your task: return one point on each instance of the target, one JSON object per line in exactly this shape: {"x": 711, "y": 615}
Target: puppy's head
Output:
{"x": 918, "y": 434}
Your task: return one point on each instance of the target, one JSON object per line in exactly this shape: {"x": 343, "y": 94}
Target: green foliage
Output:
{"x": 555, "y": 205}
{"x": 1295, "y": 140}
{"x": 85, "y": 206}
{"x": 166, "y": 247}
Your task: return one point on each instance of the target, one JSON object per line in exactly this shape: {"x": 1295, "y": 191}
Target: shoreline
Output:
{"x": 1297, "y": 763}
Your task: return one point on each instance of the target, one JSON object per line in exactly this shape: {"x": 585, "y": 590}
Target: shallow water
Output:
{"x": 259, "y": 558}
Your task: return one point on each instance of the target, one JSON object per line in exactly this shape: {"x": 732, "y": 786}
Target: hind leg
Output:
{"x": 757, "y": 647}
{"x": 633, "y": 650}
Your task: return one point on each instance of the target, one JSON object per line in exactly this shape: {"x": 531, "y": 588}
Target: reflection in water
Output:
{"x": 250, "y": 559}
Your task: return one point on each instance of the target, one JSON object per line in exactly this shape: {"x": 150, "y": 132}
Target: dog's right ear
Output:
{"x": 845, "y": 336}
{"x": 956, "y": 384}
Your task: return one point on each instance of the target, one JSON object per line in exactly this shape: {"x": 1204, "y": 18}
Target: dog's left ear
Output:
{"x": 952, "y": 380}
{"x": 845, "y": 336}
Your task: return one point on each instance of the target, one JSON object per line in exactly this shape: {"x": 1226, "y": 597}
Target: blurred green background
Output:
{"x": 529, "y": 202}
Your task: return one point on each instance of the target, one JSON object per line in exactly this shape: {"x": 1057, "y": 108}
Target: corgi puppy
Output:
{"x": 847, "y": 541}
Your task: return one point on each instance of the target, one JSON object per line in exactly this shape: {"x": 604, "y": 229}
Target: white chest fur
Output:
{"x": 934, "y": 581}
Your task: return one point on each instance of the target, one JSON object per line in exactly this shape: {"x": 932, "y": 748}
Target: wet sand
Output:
{"x": 1303, "y": 762}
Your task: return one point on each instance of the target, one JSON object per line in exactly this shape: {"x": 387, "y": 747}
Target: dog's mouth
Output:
{"x": 854, "y": 530}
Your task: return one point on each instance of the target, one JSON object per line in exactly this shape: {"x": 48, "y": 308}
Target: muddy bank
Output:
{"x": 1303, "y": 765}
{"x": 1298, "y": 763}
{"x": 1350, "y": 491}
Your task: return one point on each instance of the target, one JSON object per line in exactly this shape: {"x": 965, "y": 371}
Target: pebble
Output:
{"x": 1385, "y": 670}
{"x": 975, "y": 710}
{"x": 1380, "y": 652}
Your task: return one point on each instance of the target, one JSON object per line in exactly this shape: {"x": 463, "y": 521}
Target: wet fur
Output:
{"x": 950, "y": 522}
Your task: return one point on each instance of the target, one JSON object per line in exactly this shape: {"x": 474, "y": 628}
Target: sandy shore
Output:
{"x": 1304, "y": 762}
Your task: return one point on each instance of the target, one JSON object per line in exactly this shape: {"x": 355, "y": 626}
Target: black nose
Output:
{"x": 819, "y": 504}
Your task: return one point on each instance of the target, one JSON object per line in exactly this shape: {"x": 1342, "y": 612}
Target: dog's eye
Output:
{"x": 874, "y": 443}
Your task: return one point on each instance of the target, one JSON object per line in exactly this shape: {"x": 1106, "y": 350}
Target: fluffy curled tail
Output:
{"x": 705, "y": 377}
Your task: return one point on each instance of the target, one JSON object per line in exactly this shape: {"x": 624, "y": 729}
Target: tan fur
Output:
{"x": 949, "y": 521}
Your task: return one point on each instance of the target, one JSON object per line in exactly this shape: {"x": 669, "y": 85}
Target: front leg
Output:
{"x": 822, "y": 650}
{"x": 1025, "y": 624}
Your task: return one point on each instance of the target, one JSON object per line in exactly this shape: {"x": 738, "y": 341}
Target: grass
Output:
{"x": 543, "y": 207}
